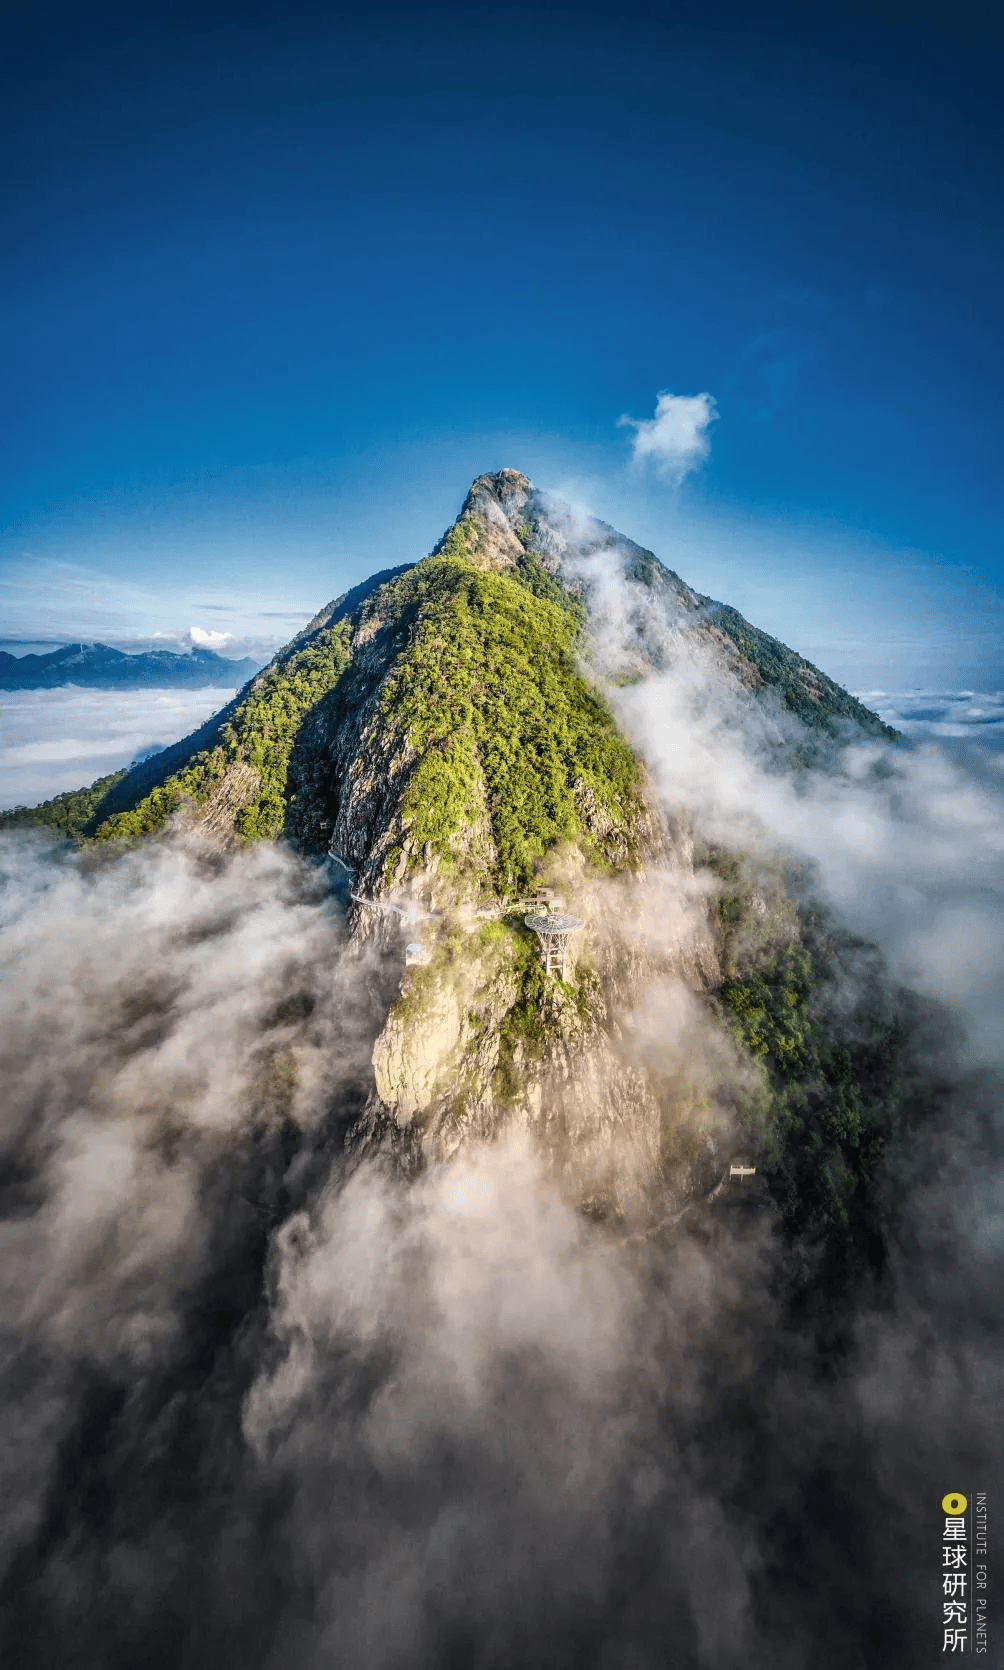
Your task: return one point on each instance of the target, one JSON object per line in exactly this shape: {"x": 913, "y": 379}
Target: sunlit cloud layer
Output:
{"x": 951, "y": 715}
{"x": 54, "y": 740}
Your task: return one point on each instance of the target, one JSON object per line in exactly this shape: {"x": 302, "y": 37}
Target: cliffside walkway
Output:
{"x": 412, "y": 912}
{"x": 406, "y": 913}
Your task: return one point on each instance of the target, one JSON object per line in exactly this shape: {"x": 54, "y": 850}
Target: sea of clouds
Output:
{"x": 265, "y": 1403}
{"x": 969, "y": 717}
{"x": 55, "y": 740}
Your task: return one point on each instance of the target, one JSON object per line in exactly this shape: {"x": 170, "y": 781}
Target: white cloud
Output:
{"x": 200, "y": 638}
{"x": 676, "y": 438}
{"x": 906, "y": 848}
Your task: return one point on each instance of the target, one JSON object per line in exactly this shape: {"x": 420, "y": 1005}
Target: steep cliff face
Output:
{"x": 482, "y": 1039}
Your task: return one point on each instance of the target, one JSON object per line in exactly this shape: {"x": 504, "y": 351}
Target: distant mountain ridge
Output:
{"x": 100, "y": 666}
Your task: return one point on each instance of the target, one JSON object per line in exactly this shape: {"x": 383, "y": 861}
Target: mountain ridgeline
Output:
{"x": 99, "y": 666}
{"x": 445, "y": 735}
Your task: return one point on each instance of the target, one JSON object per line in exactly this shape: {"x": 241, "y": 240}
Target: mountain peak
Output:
{"x": 507, "y": 524}
{"x": 495, "y": 632}
{"x": 485, "y": 532}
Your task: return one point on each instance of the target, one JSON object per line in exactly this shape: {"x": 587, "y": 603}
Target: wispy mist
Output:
{"x": 906, "y": 844}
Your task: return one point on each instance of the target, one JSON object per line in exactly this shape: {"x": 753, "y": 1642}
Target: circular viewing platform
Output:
{"x": 552, "y": 922}
{"x": 554, "y": 929}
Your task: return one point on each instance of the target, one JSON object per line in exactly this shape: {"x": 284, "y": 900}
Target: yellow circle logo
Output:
{"x": 955, "y": 1503}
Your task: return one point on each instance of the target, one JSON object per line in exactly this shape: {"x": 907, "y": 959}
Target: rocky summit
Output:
{"x": 445, "y": 739}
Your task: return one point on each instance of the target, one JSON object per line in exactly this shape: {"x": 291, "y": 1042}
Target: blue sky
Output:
{"x": 278, "y": 282}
